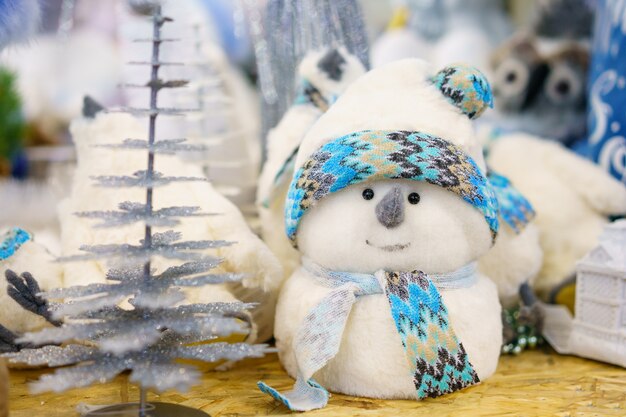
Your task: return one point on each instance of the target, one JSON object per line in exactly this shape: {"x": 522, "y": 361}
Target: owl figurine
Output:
{"x": 539, "y": 75}
{"x": 540, "y": 89}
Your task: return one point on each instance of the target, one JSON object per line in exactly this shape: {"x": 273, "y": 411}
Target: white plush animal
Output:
{"x": 381, "y": 189}
{"x": 21, "y": 252}
{"x": 572, "y": 197}
{"x": 516, "y": 256}
{"x": 515, "y": 259}
{"x": 324, "y": 75}
{"x": 248, "y": 256}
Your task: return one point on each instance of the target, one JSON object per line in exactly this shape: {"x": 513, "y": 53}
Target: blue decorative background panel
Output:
{"x": 607, "y": 89}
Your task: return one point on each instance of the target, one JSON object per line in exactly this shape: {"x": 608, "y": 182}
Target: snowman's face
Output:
{"x": 397, "y": 225}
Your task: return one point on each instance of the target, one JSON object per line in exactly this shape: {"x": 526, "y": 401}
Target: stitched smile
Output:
{"x": 390, "y": 248}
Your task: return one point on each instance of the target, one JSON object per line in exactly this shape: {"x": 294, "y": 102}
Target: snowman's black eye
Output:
{"x": 414, "y": 198}
{"x": 562, "y": 87}
{"x": 368, "y": 194}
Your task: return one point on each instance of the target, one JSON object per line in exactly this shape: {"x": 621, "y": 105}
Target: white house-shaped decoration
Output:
{"x": 599, "y": 328}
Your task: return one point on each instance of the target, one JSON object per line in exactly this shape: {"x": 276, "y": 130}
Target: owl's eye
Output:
{"x": 511, "y": 77}
{"x": 414, "y": 198}
{"x": 564, "y": 85}
{"x": 368, "y": 194}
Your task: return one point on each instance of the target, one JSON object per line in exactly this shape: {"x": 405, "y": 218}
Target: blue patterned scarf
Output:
{"x": 11, "y": 242}
{"x": 514, "y": 209}
{"x": 373, "y": 155}
{"x": 438, "y": 361}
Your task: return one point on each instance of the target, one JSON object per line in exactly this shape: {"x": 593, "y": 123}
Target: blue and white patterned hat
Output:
{"x": 436, "y": 143}
{"x": 377, "y": 155}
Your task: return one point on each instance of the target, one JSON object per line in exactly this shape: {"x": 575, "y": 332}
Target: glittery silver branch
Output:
{"x": 25, "y": 291}
{"x": 119, "y": 333}
{"x": 96, "y": 365}
{"x": 161, "y": 64}
{"x": 130, "y": 213}
{"x": 170, "y": 146}
{"x": 143, "y": 179}
{"x": 128, "y": 255}
{"x": 168, "y": 111}
{"x": 152, "y": 297}
{"x": 137, "y": 321}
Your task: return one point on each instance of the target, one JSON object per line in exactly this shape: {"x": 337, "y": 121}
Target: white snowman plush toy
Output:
{"x": 21, "y": 251}
{"x": 391, "y": 208}
{"x": 324, "y": 75}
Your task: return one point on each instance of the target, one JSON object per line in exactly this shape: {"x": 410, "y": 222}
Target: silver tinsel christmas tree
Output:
{"x": 101, "y": 339}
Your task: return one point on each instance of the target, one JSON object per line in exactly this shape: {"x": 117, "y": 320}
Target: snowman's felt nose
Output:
{"x": 390, "y": 210}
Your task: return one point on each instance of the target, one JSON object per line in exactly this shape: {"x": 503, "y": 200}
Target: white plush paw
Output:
{"x": 254, "y": 259}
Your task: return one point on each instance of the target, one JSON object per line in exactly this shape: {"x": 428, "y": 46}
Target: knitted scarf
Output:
{"x": 514, "y": 209}
{"x": 437, "y": 360}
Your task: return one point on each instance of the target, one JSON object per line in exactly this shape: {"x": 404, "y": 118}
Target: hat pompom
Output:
{"x": 464, "y": 87}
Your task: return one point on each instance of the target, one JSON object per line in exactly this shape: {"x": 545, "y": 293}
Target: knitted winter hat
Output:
{"x": 397, "y": 122}
{"x": 407, "y": 95}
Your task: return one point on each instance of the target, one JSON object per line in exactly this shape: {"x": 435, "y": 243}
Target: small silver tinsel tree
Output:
{"x": 99, "y": 338}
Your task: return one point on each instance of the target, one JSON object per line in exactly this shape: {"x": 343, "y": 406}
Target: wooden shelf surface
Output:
{"x": 536, "y": 383}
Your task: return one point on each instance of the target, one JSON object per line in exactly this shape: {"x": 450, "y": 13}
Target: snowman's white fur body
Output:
{"x": 444, "y": 232}
{"x": 371, "y": 361}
